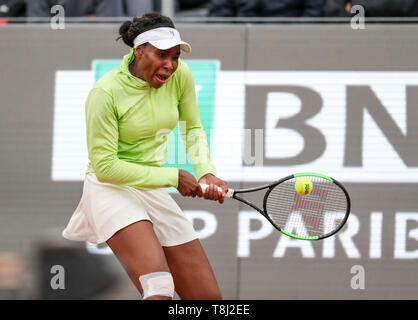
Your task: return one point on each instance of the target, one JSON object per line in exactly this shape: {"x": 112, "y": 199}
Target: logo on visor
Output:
{"x": 172, "y": 33}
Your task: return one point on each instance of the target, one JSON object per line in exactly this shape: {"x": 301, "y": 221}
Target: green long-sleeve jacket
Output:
{"x": 128, "y": 126}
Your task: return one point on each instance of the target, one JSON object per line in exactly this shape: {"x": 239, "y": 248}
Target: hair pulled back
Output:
{"x": 129, "y": 30}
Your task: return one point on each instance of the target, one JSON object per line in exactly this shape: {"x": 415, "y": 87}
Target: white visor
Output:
{"x": 162, "y": 38}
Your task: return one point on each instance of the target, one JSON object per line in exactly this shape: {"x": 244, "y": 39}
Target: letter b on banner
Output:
{"x": 285, "y": 122}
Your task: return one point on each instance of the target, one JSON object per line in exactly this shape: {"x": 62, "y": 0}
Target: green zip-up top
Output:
{"x": 128, "y": 126}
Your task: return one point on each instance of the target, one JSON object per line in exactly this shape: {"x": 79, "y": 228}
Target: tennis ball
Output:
{"x": 303, "y": 186}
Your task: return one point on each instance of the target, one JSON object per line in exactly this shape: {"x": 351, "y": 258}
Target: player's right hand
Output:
{"x": 188, "y": 186}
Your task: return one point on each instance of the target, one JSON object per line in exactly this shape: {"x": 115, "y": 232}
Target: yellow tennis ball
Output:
{"x": 303, "y": 186}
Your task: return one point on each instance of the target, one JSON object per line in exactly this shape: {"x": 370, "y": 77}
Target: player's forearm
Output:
{"x": 125, "y": 173}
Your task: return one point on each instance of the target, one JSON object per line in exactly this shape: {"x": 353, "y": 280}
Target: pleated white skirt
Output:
{"x": 106, "y": 208}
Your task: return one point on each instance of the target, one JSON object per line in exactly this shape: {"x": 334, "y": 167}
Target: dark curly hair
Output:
{"x": 129, "y": 30}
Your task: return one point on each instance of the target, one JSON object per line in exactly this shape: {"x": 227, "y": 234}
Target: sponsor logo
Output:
{"x": 358, "y": 127}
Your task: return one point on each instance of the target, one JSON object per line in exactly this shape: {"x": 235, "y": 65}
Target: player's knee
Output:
{"x": 157, "y": 284}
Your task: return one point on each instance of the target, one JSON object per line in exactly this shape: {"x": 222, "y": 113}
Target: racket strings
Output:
{"x": 312, "y": 215}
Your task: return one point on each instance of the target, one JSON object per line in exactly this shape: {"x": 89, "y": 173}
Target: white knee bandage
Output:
{"x": 157, "y": 284}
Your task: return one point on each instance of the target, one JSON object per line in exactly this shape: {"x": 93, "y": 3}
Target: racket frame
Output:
{"x": 272, "y": 185}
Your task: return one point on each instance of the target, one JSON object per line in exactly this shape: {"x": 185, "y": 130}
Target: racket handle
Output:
{"x": 229, "y": 194}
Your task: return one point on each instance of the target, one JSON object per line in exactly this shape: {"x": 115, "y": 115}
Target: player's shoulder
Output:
{"x": 107, "y": 80}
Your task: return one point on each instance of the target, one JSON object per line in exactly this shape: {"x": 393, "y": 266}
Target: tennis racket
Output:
{"x": 316, "y": 215}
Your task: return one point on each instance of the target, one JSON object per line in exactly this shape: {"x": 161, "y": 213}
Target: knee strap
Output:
{"x": 157, "y": 284}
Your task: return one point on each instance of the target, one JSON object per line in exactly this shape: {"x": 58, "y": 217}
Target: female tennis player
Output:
{"x": 129, "y": 114}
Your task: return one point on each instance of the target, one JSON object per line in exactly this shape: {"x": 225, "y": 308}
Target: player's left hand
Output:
{"x": 212, "y": 192}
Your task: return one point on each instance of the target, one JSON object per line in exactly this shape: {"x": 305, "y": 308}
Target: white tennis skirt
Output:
{"x": 106, "y": 208}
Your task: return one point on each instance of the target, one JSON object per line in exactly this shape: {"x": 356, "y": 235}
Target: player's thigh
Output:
{"x": 192, "y": 272}
{"x": 138, "y": 250}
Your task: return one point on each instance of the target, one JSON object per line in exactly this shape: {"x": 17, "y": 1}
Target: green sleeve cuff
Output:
{"x": 173, "y": 176}
{"x": 204, "y": 169}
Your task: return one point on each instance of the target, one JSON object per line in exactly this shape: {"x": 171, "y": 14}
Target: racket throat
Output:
{"x": 250, "y": 204}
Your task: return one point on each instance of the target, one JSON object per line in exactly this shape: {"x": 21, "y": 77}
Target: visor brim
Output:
{"x": 165, "y": 44}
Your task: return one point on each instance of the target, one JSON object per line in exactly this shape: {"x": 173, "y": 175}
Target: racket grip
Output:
{"x": 229, "y": 194}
